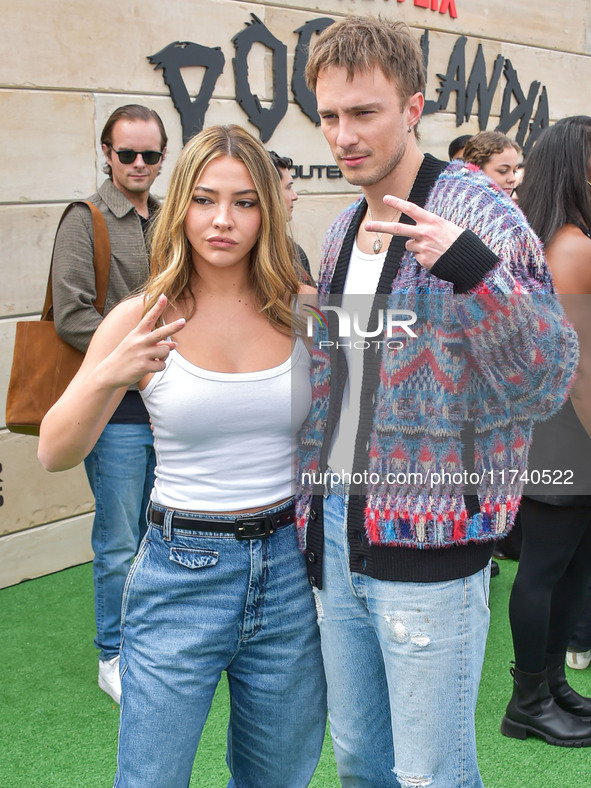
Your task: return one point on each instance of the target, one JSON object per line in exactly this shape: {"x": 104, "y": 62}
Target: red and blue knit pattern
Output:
{"x": 500, "y": 357}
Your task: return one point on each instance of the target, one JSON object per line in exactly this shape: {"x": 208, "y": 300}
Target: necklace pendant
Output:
{"x": 377, "y": 246}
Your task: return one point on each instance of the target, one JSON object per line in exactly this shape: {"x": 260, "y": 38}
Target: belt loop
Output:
{"x": 326, "y": 490}
{"x": 167, "y": 525}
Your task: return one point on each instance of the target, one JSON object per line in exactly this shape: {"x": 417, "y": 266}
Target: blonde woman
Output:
{"x": 219, "y": 583}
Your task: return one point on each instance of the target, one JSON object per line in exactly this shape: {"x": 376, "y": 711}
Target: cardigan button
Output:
{"x": 312, "y": 580}
{"x": 311, "y": 556}
{"x": 313, "y": 514}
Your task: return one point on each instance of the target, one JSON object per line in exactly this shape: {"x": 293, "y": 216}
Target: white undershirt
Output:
{"x": 362, "y": 279}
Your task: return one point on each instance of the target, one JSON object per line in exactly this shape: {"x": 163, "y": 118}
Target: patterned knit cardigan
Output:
{"x": 497, "y": 357}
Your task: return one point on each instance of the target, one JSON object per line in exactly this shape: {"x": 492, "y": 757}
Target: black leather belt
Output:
{"x": 251, "y": 527}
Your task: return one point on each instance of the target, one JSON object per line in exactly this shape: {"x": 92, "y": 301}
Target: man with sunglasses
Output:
{"x": 120, "y": 468}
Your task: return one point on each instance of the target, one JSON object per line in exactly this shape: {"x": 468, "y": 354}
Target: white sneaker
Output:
{"x": 579, "y": 660}
{"x": 108, "y": 678}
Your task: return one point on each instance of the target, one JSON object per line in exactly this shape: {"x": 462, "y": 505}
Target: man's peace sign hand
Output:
{"x": 429, "y": 237}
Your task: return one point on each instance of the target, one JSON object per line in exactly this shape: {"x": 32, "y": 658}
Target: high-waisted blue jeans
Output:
{"x": 403, "y": 663}
{"x": 197, "y": 604}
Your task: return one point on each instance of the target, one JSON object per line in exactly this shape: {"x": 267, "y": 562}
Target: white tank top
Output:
{"x": 226, "y": 441}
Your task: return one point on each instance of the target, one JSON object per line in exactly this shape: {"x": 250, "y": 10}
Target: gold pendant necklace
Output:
{"x": 378, "y": 243}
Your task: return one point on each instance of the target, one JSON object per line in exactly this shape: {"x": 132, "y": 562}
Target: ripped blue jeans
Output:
{"x": 403, "y": 663}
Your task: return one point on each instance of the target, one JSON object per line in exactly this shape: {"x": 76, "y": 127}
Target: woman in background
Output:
{"x": 496, "y": 155}
{"x": 555, "y": 562}
{"x": 219, "y": 583}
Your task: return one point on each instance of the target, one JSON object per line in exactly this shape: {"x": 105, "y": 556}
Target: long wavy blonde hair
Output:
{"x": 272, "y": 273}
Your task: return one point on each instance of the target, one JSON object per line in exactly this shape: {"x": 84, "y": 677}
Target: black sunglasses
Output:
{"x": 129, "y": 156}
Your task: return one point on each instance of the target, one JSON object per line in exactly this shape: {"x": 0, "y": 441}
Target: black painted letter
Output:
{"x": 182, "y": 54}
{"x": 304, "y": 97}
{"x": 265, "y": 119}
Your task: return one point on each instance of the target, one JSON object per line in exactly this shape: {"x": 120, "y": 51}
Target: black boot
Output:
{"x": 532, "y": 711}
{"x": 566, "y": 697}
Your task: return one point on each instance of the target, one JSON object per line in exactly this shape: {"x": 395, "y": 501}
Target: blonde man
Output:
{"x": 400, "y": 563}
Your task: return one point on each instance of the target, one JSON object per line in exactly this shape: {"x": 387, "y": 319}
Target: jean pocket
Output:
{"x": 193, "y": 559}
{"x": 137, "y": 561}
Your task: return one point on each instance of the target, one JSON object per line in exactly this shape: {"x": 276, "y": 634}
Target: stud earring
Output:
{"x": 409, "y": 129}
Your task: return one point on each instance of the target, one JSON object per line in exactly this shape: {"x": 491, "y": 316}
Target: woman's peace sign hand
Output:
{"x": 142, "y": 351}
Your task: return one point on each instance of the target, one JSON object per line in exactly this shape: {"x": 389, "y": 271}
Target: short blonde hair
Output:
{"x": 360, "y": 44}
{"x": 272, "y": 272}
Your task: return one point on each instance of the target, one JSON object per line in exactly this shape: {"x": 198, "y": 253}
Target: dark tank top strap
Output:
{"x": 583, "y": 229}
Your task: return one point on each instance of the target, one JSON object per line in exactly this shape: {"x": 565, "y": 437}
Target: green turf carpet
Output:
{"x": 58, "y": 730}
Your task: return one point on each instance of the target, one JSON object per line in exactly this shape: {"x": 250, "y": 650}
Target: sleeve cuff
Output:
{"x": 466, "y": 262}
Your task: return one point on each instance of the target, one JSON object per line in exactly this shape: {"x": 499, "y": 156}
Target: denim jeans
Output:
{"x": 197, "y": 604}
{"x": 403, "y": 663}
{"x": 120, "y": 470}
